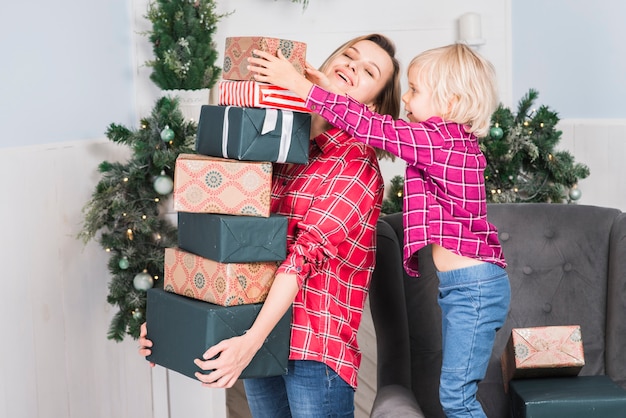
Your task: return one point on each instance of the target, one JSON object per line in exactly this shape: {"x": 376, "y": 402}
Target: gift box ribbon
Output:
{"x": 269, "y": 124}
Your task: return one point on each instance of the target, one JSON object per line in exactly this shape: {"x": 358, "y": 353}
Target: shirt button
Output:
{"x": 313, "y": 107}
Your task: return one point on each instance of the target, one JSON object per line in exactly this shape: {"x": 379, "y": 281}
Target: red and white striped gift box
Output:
{"x": 254, "y": 94}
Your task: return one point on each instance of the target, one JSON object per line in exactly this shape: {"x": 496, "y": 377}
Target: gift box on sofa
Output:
{"x": 254, "y": 94}
{"x": 204, "y": 184}
{"x": 232, "y": 238}
{"x": 224, "y": 284}
{"x": 543, "y": 351}
{"x": 567, "y": 397}
{"x": 182, "y": 329}
{"x": 252, "y": 134}
{"x": 239, "y": 48}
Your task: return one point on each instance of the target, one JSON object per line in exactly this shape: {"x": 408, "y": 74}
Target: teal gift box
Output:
{"x": 182, "y": 329}
{"x": 567, "y": 397}
{"x": 252, "y": 134}
{"x": 232, "y": 238}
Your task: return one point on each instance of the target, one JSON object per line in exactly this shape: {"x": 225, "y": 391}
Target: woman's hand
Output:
{"x": 277, "y": 70}
{"x": 227, "y": 359}
{"x": 144, "y": 343}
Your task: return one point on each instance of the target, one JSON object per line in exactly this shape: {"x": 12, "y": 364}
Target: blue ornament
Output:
{"x": 167, "y": 134}
{"x": 163, "y": 184}
{"x": 123, "y": 263}
{"x": 143, "y": 281}
{"x": 575, "y": 193}
{"x": 496, "y": 132}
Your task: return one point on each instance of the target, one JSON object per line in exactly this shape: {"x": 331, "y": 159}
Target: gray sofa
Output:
{"x": 567, "y": 265}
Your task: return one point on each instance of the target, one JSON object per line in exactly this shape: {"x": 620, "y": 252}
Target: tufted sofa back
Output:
{"x": 567, "y": 265}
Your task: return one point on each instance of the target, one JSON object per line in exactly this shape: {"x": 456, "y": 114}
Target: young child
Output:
{"x": 451, "y": 96}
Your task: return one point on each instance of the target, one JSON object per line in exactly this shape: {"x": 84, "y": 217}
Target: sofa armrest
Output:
{"x": 395, "y": 401}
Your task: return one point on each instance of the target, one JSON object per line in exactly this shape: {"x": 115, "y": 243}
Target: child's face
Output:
{"x": 417, "y": 99}
{"x": 361, "y": 71}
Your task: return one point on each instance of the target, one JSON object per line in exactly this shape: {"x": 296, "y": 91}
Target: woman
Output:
{"x": 333, "y": 203}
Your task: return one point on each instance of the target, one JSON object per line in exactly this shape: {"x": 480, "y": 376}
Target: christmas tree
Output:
{"x": 393, "y": 202}
{"x": 522, "y": 163}
{"x": 124, "y": 210}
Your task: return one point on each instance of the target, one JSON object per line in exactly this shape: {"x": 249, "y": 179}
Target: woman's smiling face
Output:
{"x": 360, "y": 71}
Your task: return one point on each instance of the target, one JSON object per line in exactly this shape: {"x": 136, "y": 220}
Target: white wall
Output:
{"x": 573, "y": 53}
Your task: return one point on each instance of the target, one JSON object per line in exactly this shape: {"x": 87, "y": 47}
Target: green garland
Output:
{"x": 182, "y": 43}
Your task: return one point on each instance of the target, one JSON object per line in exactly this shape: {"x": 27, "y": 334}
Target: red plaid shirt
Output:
{"x": 444, "y": 191}
{"x": 332, "y": 203}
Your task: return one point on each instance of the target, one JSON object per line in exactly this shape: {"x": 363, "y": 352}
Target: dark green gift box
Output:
{"x": 182, "y": 329}
{"x": 233, "y": 238}
{"x": 240, "y": 131}
{"x": 567, "y": 397}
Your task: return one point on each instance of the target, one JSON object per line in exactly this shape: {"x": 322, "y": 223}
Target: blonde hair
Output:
{"x": 387, "y": 101}
{"x": 463, "y": 85}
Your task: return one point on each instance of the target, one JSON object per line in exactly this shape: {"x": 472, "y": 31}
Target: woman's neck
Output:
{"x": 318, "y": 125}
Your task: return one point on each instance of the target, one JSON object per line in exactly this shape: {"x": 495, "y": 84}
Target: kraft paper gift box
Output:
{"x": 254, "y": 94}
{"x": 224, "y": 284}
{"x": 232, "y": 238}
{"x": 182, "y": 329}
{"x": 249, "y": 134}
{"x": 204, "y": 184}
{"x": 239, "y": 48}
{"x": 543, "y": 351}
{"x": 567, "y": 397}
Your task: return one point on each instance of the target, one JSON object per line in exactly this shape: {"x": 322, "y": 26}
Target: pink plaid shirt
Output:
{"x": 444, "y": 191}
{"x": 332, "y": 203}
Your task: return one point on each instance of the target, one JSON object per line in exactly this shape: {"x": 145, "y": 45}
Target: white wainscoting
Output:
{"x": 55, "y": 359}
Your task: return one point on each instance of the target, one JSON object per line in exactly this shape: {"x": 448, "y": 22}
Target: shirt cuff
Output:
{"x": 316, "y": 98}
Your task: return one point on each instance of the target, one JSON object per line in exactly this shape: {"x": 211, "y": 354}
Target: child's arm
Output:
{"x": 414, "y": 143}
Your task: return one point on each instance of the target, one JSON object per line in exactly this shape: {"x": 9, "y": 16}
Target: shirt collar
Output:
{"x": 331, "y": 138}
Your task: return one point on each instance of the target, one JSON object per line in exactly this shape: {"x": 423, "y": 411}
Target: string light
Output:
{"x": 129, "y": 234}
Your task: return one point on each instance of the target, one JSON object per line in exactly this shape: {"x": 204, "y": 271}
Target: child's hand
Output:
{"x": 144, "y": 343}
{"x": 319, "y": 78}
{"x": 277, "y": 70}
{"x": 234, "y": 354}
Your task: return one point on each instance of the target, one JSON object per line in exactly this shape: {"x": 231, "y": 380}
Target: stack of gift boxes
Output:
{"x": 540, "y": 367}
{"x": 229, "y": 243}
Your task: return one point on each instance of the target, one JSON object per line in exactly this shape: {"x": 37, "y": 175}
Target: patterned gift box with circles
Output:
{"x": 224, "y": 284}
{"x": 204, "y": 184}
{"x": 239, "y": 48}
{"x": 543, "y": 351}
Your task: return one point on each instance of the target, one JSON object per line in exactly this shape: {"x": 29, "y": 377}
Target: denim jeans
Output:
{"x": 474, "y": 304}
{"x": 310, "y": 389}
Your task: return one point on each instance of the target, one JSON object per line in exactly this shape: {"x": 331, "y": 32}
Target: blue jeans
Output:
{"x": 474, "y": 304}
{"x": 310, "y": 389}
